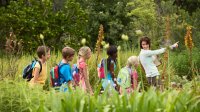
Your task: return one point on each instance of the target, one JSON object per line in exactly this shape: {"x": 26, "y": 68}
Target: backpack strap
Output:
{"x": 40, "y": 63}
{"x": 61, "y": 64}
{"x": 59, "y": 67}
{"x": 34, "y": 63}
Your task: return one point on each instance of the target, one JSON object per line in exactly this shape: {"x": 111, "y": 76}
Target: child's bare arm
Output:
{"x": 111, "y": 69}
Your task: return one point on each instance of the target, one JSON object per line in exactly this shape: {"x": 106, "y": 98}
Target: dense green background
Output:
{"x": 66, "y": 22}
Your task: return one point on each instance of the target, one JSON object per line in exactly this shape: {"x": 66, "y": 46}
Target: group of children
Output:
{"x": 125, "y": 81}
{"x": 66, "y": 78}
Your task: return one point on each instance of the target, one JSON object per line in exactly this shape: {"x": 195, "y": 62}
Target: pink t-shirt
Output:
{"x": 82, "y": 65}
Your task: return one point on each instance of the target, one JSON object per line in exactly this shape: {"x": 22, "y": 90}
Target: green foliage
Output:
{"x": 18, "y": 96}
{"x": 145, "y": 18}
{"x": 65, "y": 22}
{"x": 145, "y": 15}
{"x": 181, "y": 62}
{"x": 112, "y": 15}
{"x": 188, "y": 5}
{"x": 30, "y": 18}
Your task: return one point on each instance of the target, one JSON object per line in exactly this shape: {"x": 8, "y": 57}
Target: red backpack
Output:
{"x": 54, "y": 75}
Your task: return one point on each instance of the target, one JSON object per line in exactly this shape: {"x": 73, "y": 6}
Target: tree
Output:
{"x": 112, "y": 15}
{"x": 188, "y": 5}
{"x": 30, "y": 18}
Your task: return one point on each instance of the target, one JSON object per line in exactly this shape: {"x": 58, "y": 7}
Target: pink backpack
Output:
{"x": 75, "y": 73}
{"x": 134, "y": 77}
{"x": 101, "y": 69}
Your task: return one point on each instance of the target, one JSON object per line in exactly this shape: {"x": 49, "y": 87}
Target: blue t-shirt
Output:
{"x": 65, "y": 73}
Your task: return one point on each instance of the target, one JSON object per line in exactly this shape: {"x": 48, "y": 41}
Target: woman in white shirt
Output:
{"x": 146, "y": 57}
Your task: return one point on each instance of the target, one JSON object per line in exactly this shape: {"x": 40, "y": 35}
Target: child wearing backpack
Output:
{"x": 110, "y": 78}
{"x": 83, "y": 55}
{"x": 128, "y": 77}
{"x": 65, "y": 72}
{"x": 39, "y": 72}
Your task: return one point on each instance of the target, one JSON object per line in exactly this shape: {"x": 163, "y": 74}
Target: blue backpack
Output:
{"x": 27, "y": 72}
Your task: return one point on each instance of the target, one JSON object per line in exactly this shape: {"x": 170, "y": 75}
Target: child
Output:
{"x": 127, "y": 77}
{"x": 65, "y": 73}
{"x": 111, "y": 66}
{"x": 43, "y": 53}
{"x": 83, "y": 55}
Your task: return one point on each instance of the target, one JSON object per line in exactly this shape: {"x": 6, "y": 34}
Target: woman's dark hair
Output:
{"x": 111, "y": 51}
{"x": 147, "y": 40}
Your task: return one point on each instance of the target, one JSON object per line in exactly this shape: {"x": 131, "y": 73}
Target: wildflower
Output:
{"x": 166, "y": 43}
{"x": 99, "y": 42}
{"x": 189, "y": 44}
{"x": 41, "y": 36}
{"x": 188, "y": 38}
{"x": 83, "y": 41}
{"x": 106, "y": 46}
{"x": 100, "y": 39}
{"x": 184, "y": 77}
{"x": 138, "y": 32}
{"x": 124, "y": 37}
{"x": 103, "y": 43}
{"x": 119, "y": 48}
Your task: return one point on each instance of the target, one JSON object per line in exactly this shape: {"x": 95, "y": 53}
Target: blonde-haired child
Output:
{"x": 127, "y": 77}
{"x": 83, "y": 55}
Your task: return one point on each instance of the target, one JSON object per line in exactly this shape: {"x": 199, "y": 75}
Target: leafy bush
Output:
{"x": 180, "y": 61}
{"x": 28, "y": 19}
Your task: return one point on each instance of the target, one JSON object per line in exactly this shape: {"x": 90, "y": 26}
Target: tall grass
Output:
{"x": 16, "y": 95}
{"x": 12, "y": 66}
